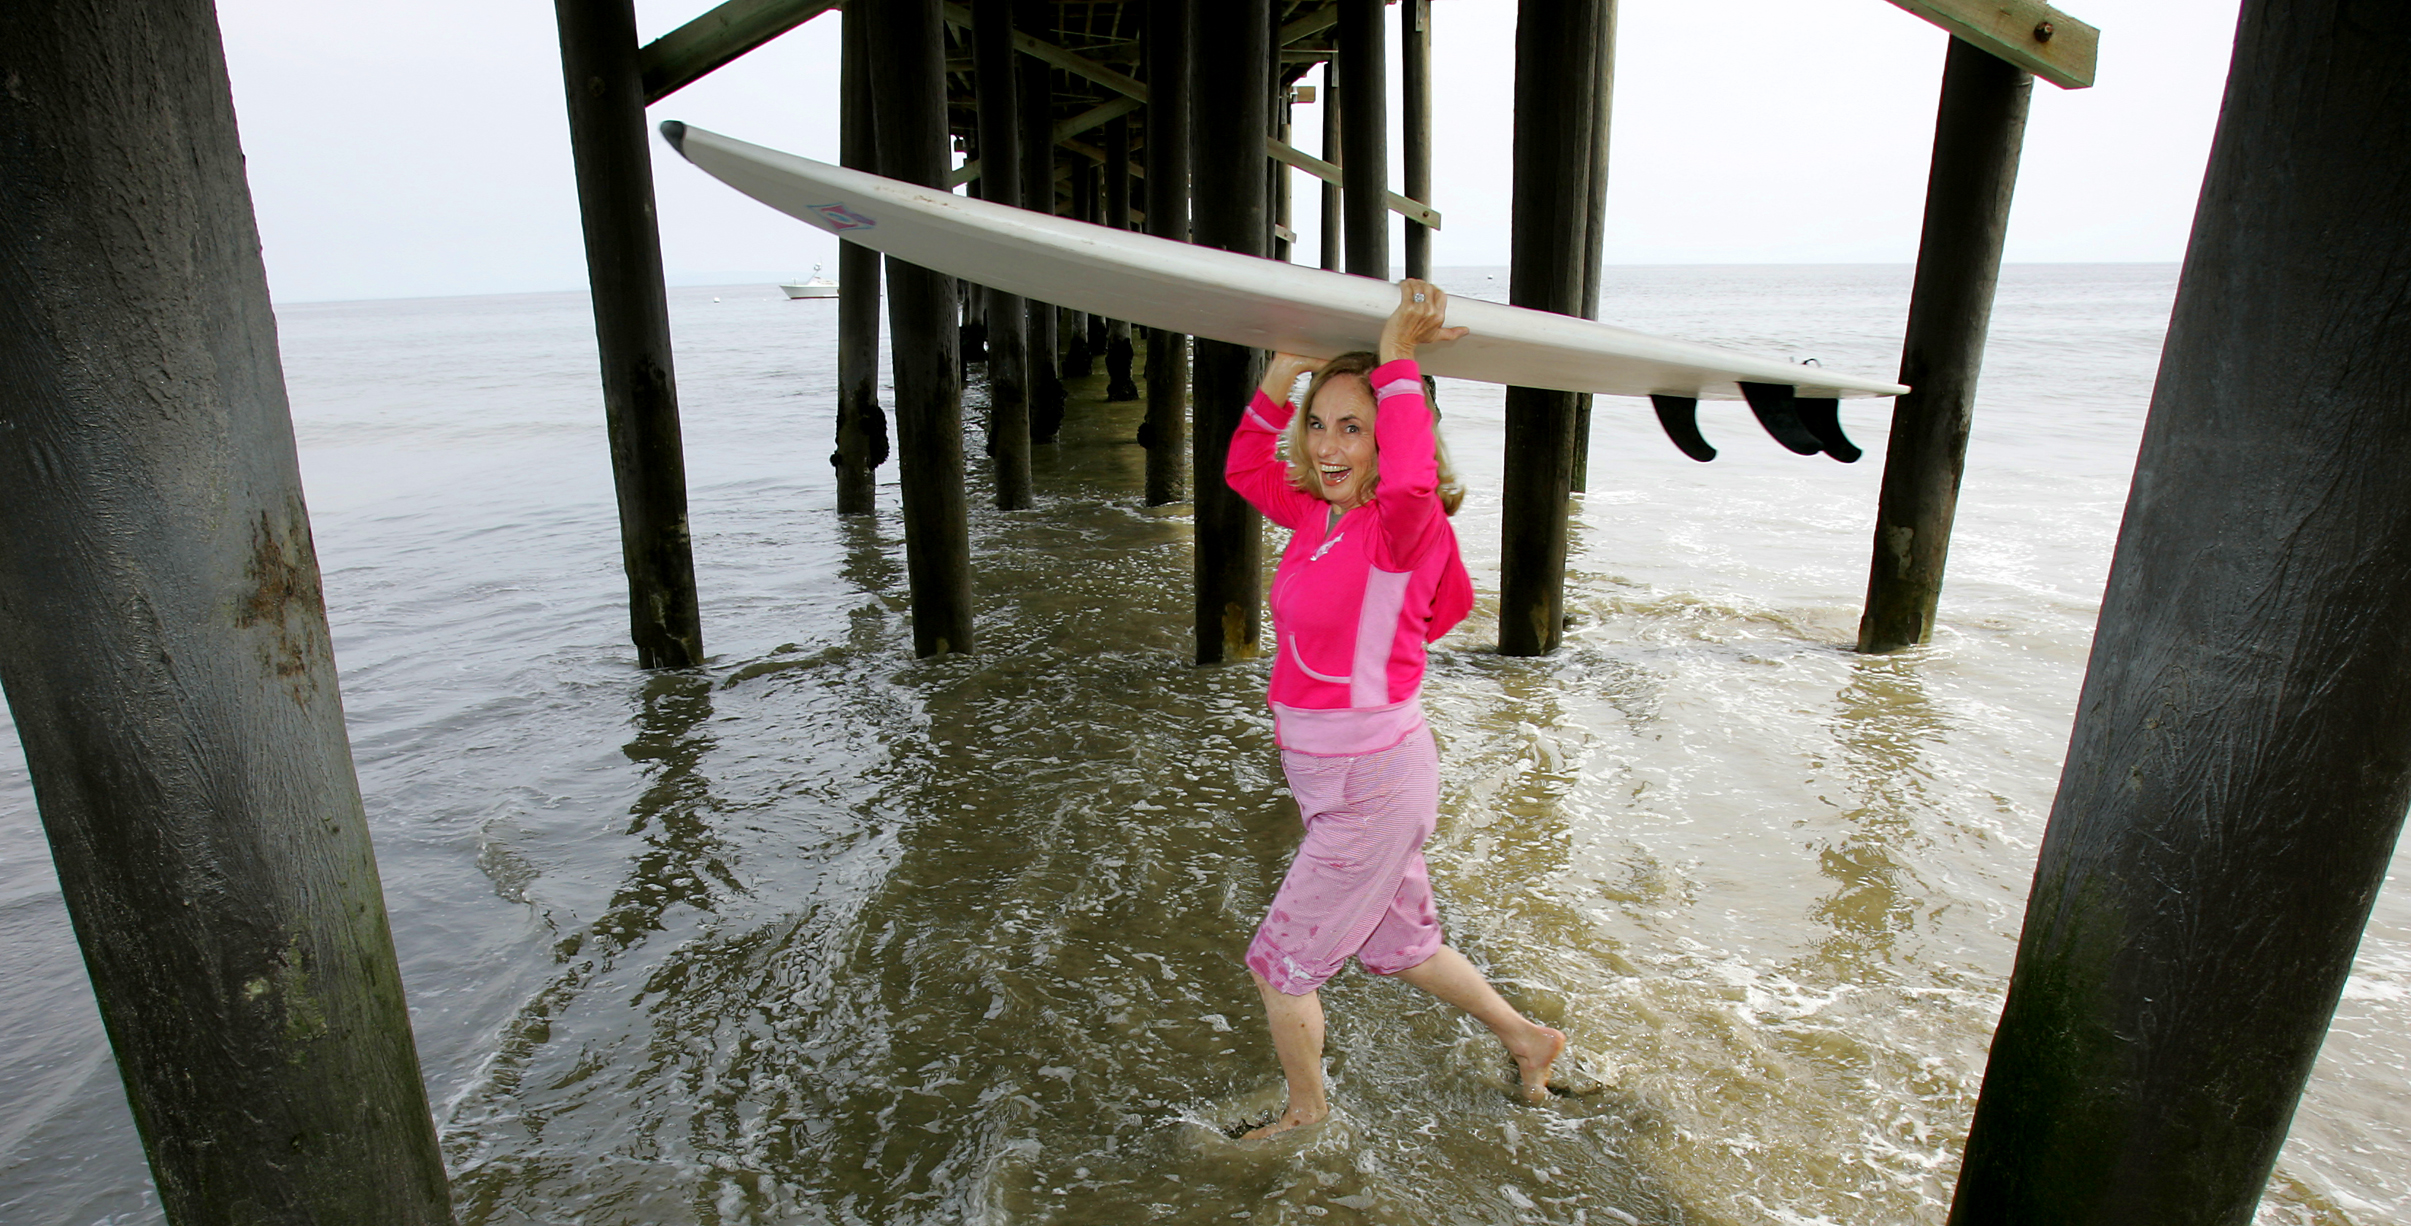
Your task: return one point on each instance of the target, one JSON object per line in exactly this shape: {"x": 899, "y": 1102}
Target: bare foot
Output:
{"x": 1289, "y": 1119}
{"x": 1533, "y": 1058}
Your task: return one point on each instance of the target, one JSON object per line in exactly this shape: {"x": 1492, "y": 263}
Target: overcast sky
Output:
{"x": 421, "y": 149}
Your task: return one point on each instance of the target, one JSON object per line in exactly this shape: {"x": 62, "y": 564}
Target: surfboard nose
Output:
{"x": 675, "y": 133}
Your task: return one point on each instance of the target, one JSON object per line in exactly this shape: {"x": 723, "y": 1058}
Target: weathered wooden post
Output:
{"x": 1118, "y": 354}
{"x": 1415, "y": 98}
{"x": 631, "y": 325}
{"x": 1594, "y": 227}
{"x": 1079, "y": 359}
{"x": 1980, "y": 127}
{"x": 1170, "y": 26}
{"x": 2237, "y": 777}
{"x": 1556, "y": 69}
{"x": 1335, "y": 226}
{"x": 909, "y": 47}
{"x": 861, "y": 424}
{"x": 1092, "y": 211}
{"x": 996, "y": 77}
{"x": 164, "y": 647}
{"x": 1233, "y": 108}
{"x": 1036, "y": 18}
{"x": 1277, "y": 183}
{"x": 1365, "y": 120}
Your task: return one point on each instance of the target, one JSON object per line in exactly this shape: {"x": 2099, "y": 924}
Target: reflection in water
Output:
{"x": 987, "y": 967}
{"x": 823, "y": 934}
{"x": 1881, "y": 721}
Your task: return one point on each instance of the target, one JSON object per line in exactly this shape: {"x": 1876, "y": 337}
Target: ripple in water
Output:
{"x": 823, "y": 934}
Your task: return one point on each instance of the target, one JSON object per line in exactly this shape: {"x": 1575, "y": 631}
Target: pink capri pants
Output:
{"x": 1358, "y": 885}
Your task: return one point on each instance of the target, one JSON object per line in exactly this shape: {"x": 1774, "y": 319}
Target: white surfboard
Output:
{"x": 1242, "y": 299}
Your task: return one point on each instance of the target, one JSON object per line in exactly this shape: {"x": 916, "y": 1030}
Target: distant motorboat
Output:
{"x": 817, "y": 287}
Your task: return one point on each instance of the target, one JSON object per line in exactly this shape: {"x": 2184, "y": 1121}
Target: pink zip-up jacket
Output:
{"x": 1354, "y": 603}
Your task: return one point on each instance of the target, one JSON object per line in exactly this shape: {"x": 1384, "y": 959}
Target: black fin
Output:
{"x": 1773, "y": 405}
{"x": 675, "y": 133}
{"x": 1822, "y": 415}
{"x": 1679, "y": 416}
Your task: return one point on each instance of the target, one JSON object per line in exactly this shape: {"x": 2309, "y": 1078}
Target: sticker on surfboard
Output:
{"x": 842, "y": 218}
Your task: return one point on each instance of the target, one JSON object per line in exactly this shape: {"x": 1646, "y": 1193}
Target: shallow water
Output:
{"x": 821, "y": 933}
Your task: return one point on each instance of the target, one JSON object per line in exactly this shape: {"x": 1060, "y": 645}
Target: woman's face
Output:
{"x": 1339, "y": 441}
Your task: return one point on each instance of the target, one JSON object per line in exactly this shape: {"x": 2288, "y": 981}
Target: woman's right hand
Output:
{"x": 1421, "y": 319}
{"x": 1282, "y": 372}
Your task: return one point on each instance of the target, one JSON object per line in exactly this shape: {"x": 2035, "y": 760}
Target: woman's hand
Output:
{"x": 1282, "y": 372}
{"x": 1421, "y": 319}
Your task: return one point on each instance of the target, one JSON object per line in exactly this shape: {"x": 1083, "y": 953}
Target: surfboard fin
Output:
{"x": 1776, "y": 409}
{"x": 1679, "y": 417}
{"x": 1823, "y": 417}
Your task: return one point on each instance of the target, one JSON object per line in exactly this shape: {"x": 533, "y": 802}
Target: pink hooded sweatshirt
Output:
{"x": 1354, "y": 603}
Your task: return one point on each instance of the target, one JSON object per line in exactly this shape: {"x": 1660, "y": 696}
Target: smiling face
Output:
{"x": 1339, "y": 442}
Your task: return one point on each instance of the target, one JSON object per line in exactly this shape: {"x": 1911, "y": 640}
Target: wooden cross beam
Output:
{"x": 1135, "y": 91}
{"x": 1093, "y": 117}
{"x": 1312, "y": 23}
{"x": 685, "y": 55}
{"x": 1413, "y": 210}
{"x": 2028, "y": 33}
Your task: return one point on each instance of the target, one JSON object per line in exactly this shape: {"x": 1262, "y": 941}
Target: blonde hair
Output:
{"x": 1359, "y": 366}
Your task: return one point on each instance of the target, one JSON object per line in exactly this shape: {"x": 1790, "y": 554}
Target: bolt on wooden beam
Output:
{"x": 2032, "y": 35}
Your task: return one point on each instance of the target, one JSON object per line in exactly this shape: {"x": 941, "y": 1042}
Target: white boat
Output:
{"x": 817, "y": 286}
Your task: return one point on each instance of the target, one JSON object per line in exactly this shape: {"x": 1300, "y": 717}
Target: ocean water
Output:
{"x": 821, "y": 933}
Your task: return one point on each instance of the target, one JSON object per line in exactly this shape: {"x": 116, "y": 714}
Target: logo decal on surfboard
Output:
{"x": 842, "y": 218}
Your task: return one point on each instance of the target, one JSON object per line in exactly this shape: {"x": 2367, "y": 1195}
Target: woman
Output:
{"x": 1370, "y": 576}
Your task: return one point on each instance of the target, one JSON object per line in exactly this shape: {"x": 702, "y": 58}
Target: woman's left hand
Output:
{"x": 1421, "y": 319}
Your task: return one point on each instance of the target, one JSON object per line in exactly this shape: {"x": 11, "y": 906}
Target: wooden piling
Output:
{"x": 1594, "y": 227}
{"x": 1335, "y": 227}
{"x": 997, "y": 95}
{"x": 909, "y": 89}
{"x": 164, "y": 646}
{"x": 1171, "y": 24}
{"x": 1036, "y": 18}
{"x": 609, "y": 140}
{"x": 2237, "y": 777}
{"x": 1233, "y": 109}
{"x": 1118, "y": 354}
{"x": 1364, "y": 206}
{"x": 861, "y": 423}
{"x": 1078, "y": 358}
{"x": 1978, "y": 132}
{"x": 1415, "y": 98}
{"x": 1556, "y": 69}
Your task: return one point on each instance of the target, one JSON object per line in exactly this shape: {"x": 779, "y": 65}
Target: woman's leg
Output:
{"x": 1450, "y": 977}
{"x": 1297, "y": 1037}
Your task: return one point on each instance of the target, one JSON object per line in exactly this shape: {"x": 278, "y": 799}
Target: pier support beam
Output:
{"x": 1594, "y": 227}
{"x": 1978, "y": 132}
{"x": 1557, "y": 46}
{"x": 996, "y": 87}
{"x": 164, "y": 646}
{"x": 1171, "y": 25}
{"x": 2241, "y": 760}
{"x": 1233, "y": 112}
{"x": 1364, "y": 58}
{"x": 908, "y": 45}
{"x": 1118, "y": 354}
{"x": 1415, "y": 98}
{"x": 861, "y": 424}
{"x": 608, "y": 137}
{"x": 1335, "y": 226}
{"x": 1036, "y": 18}
{"x": 1079, "y": 359}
